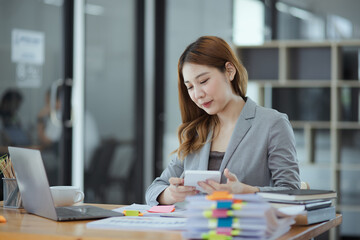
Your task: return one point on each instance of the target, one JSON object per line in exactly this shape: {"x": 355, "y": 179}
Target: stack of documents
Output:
{"x": 241, "y": 216}
{"x": 315, "y": 203}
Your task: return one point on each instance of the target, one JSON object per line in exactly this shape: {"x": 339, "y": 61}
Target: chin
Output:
{"x": 210, "y": 112}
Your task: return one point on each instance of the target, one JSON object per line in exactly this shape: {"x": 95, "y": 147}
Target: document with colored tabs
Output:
{"x": 243, "y": 216}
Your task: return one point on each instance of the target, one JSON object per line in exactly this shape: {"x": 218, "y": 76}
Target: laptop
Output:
{"x": 35, "y": 191}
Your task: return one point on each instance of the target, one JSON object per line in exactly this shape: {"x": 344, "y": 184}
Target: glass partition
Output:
{"x": 31, "y": 60}
{"x": 110, "y": 103}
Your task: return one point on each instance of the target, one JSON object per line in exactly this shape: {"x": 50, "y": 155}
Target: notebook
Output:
{"x": 298, "y": 194}
{"x": 35, "y": 191}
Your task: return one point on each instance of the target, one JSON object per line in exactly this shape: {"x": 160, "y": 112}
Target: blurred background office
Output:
{"x": 116, "y": 64}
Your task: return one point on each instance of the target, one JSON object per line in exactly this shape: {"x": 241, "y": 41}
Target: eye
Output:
{"x": 189, "y": 87}
{"x": 204, "y": 81}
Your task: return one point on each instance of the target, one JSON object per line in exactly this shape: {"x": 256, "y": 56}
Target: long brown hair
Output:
{"x": 196, "y": 123}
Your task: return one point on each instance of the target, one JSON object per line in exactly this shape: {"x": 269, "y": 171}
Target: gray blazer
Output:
{"x": 261, "y": 153}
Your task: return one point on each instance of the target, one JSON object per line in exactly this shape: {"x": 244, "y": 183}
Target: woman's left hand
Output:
{"x": 232, "y": 186}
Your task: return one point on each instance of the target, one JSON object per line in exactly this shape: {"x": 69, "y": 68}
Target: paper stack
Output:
{"x": 225, "y": 216}
{"x": 315, "y": 203}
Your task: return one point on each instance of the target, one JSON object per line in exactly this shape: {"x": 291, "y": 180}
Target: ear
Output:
{"x": 230, "y": 70}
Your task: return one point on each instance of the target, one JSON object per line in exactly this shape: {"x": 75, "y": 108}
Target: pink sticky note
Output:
{"x": 162, "y": 209}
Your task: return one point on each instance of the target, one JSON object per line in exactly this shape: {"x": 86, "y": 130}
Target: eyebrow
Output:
{"x": 201, "y": 74}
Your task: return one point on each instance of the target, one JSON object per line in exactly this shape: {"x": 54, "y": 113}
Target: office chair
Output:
{"x": 99, "y": 177}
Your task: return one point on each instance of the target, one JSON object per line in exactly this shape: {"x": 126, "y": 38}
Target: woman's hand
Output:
{"x": 176, "y": 192}
{"x": 232, "y": 186}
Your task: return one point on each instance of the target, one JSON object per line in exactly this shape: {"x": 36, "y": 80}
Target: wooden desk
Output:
{"x": 23, "y": 226}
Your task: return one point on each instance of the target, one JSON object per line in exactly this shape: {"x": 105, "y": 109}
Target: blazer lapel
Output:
{"x": 242, "y": 126}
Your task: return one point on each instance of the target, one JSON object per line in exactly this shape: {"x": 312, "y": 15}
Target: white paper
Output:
{"x": 140, "y": 207}
{"x": 139, "y": 223}
{"x": 27, "y": 46}
{"x": 179, "y": 213}
{"x": 286, "y": 210}
{"x": 28, "y": 75}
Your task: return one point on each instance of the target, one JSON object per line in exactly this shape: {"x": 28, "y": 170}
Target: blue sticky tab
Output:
{"x": 224, "y": 205}
{"x": 225, "y": 222}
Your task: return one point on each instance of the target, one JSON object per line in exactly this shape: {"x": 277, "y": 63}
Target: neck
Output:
{"x": 232, "y": 111}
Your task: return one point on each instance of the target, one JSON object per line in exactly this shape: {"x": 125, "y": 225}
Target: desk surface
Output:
{"x": 23, "y": 226}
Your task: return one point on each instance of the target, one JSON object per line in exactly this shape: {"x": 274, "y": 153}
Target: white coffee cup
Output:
{"x": 66, "y": 195}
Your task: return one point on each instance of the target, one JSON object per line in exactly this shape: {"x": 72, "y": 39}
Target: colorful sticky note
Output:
{"x": 219, "y": 195}
{"x": 132, "y": 213}
{"x": 162, "y": 209}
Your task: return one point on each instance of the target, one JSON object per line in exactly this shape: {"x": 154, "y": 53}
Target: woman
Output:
{"x": 222, "y": 129}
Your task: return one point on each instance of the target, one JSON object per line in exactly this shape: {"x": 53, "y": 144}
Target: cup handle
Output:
{"x": 79, "y": 196}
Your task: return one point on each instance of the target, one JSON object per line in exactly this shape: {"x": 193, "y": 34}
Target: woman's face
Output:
{"x": 208, "y": 88}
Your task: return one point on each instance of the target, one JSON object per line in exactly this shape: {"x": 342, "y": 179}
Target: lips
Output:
{"x": 207, "y": 104}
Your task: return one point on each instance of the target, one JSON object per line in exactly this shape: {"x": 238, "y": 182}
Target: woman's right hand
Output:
{"x": 176, "y": 192}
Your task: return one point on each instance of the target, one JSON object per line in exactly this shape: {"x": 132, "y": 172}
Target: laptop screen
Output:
{"x": 32, "y": 181}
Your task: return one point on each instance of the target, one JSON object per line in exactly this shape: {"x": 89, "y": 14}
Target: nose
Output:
{"x": 199, "y": 92}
